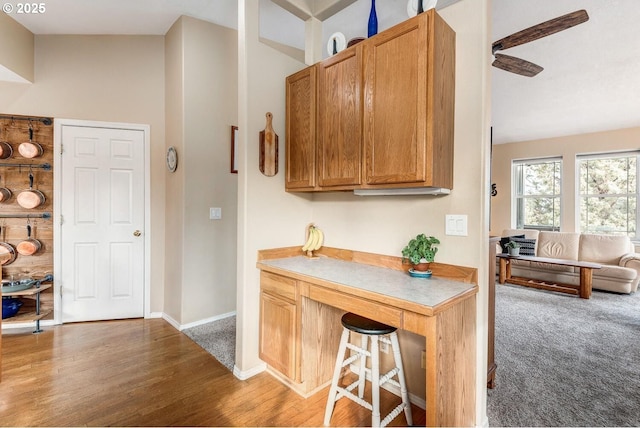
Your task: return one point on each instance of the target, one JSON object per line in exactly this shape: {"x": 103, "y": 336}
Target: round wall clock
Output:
{"x": 172, "y": 159}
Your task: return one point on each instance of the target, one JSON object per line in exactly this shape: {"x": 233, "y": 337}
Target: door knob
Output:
{"x": 137, "y": 233}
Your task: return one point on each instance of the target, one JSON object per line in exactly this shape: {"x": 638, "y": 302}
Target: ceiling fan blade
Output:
{"x": 541, "y": 30}
{"x": 516, "y": 65}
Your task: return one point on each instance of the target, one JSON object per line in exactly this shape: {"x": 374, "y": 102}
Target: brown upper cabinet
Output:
{"x": 377, "y": 115}
{"x": 301, "y": 130}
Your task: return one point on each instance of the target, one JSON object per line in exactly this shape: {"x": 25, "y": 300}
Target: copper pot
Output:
{"x": 30, "y": 198}
{"x": 5, "y": 194}
{"x": 5, "y": 150}
{"x": 7, "y": 253}
{"x": 29, "y": 246}
{"x": 30, "y": 149}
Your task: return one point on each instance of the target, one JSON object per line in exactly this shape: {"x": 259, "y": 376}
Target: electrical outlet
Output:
{"x": 384, "y": 347}
{"x": 423, "y": 359}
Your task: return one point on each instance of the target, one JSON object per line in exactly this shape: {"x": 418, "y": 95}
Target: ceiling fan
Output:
{"x": 521, "y": 66}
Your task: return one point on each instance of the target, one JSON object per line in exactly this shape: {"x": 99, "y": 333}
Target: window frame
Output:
{"x": 515, "y": 198}
{"x": 578, "y": 194}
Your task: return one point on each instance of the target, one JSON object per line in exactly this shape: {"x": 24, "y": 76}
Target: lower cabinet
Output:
{"x": 277, "y": 333}
{"x": 278, "y": 323}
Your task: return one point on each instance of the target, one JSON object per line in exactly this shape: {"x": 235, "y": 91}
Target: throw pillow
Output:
{"x": 527, "y": 246}
{"x": 504, "y": 241}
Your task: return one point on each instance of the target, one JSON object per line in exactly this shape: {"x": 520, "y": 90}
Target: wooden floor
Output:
{"x": 146, "y": 373}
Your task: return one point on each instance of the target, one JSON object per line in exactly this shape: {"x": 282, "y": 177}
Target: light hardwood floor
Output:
{"x": 146, "y": 373}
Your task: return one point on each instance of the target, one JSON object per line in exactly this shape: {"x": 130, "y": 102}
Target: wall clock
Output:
{"x": 172, "y": 159}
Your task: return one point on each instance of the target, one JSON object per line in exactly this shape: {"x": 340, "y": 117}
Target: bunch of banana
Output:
{"x": 315, "y": 239}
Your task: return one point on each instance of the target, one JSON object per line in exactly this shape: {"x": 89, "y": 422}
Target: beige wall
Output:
{"x": 566, "y": 147}
{"x": 104, "y": 78}
{"x": 16, "y": 48}
{"x": 174, "y": 233}
{"x": 271, "y": 218}
{"x": 211, "y": 107}
{"x": 202, "y": 105}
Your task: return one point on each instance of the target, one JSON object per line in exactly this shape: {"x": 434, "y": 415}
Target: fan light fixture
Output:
{"x": 544, "y": 29}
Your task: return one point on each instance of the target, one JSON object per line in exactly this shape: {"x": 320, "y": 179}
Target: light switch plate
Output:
{"x": 215, "y": 213}
{"x": 456, "y": 225}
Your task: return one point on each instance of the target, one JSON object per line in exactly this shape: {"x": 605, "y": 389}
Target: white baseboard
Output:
{"x": 208, "y": 320}
{"x": 171, "y": 321}
{"x": 246, "y": 374}
{"x": 151, "y": 315}
{"x": 181, "y": 327}
{"x": 485, "y": 424}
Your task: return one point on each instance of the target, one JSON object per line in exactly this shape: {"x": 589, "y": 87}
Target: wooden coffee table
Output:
{"x": 583, "y": 289}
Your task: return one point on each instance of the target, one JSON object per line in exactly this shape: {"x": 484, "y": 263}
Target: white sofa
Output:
{"x": 620, "y": 270}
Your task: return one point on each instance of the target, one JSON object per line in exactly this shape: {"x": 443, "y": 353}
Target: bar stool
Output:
{"x": 377, "y": 332}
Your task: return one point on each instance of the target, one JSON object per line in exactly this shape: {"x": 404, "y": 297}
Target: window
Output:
{"x": 536, "y": 189}
{"x": 608, "y": 188}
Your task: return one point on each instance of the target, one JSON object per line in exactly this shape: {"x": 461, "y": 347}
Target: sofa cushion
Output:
{"x": 615, "y": 272}
{"x": 527, "y": 246}
{"x": 558, "y": 245}
{"x": 505, "y": 240}
{"x": 605, "y": 249}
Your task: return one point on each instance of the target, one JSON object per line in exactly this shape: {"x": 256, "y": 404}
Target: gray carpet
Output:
{"x": 566, "y": 361}
{"x": 218, "y": 338}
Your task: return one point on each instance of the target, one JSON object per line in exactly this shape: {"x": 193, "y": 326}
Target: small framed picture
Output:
{"x": 234, "y": 147}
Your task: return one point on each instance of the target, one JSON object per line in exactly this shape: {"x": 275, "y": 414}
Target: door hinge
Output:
{"x": 61, "y": 219}
{"x": 61, "y": 148}
{"x": 60, "y": 290}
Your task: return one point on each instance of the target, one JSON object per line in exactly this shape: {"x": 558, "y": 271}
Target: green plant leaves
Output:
{"x": 421, "y": 247}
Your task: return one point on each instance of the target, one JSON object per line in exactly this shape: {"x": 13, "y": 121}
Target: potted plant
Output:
{"x": 420, "y": 251}
{"x": 514, "y": 248}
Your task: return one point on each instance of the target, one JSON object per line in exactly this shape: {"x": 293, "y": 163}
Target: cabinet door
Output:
{"x": 339, "y": 133}
{"x": 278, "y": 333}
{"x": 395, "y": 104}
{"x": 300, "y": 161}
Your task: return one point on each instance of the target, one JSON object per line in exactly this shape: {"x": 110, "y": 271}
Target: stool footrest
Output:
{"x": 393, "y": 414}
{"x": 359, "y": 350}
{"x": 351, "y": 359}
{"x": 343, "y": 392}
{"x": 387, "y": 378}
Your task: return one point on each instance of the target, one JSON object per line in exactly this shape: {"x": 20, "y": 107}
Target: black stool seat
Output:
{"x": 364, "y": 325}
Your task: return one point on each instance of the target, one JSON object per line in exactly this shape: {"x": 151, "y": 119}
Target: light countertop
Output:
{"x": 393, "y": 283}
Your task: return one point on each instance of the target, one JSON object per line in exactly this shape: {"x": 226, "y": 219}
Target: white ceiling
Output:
{"x": 124, "y": 16}
{"x": 589, "y": 82}
{"x": 591, "y": 76}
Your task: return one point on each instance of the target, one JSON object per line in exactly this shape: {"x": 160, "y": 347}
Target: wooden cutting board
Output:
{"x": 268, "y": 149}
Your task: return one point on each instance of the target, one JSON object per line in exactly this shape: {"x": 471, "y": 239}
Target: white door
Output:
{"x": 102, "y": 208}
